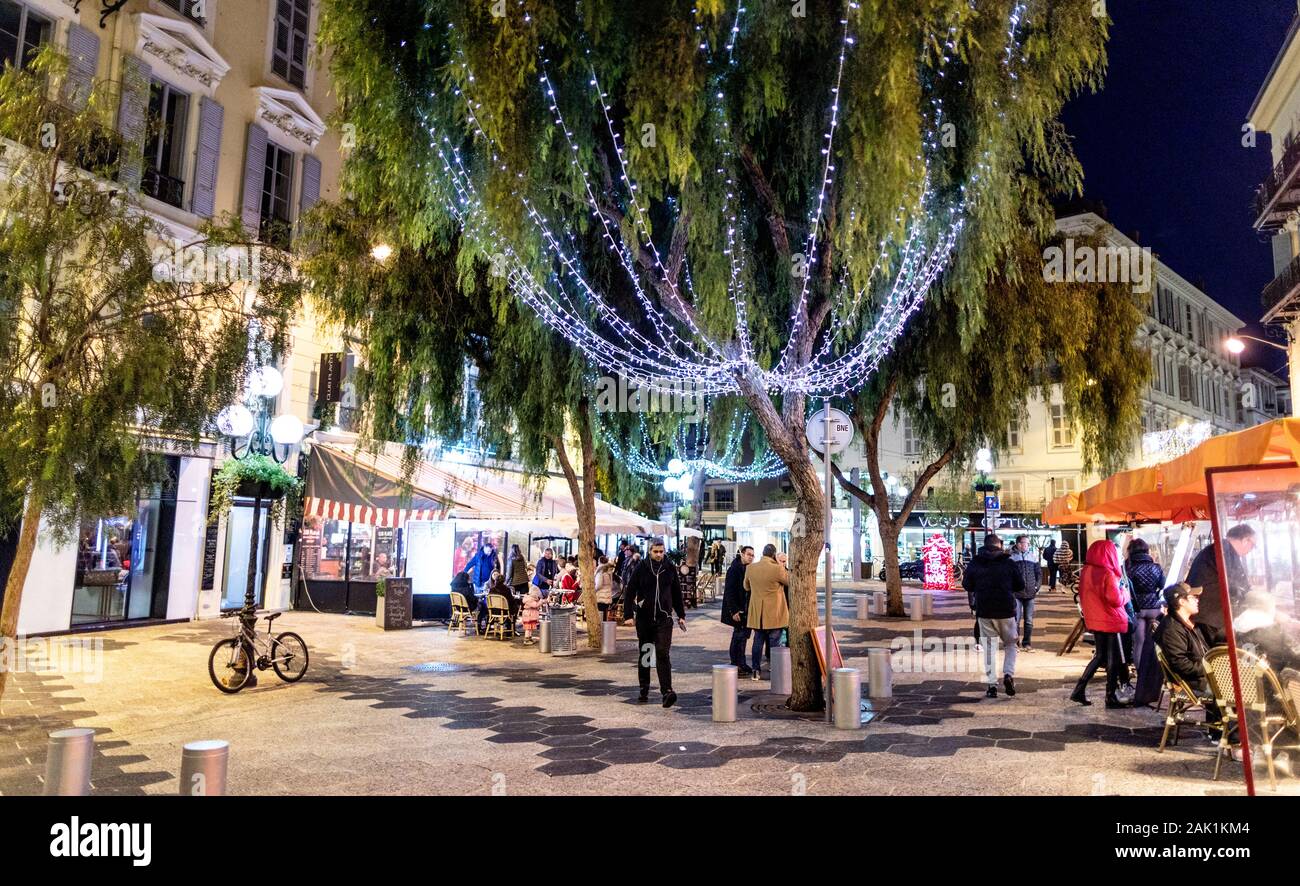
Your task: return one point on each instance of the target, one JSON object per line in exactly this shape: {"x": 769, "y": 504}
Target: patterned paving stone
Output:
{"x": 572, "y": 767}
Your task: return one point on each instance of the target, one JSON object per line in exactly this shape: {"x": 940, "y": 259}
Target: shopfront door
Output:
{"x": 239, "y": 538}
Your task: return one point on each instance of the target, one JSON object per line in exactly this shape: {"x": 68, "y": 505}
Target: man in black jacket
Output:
{"x": 651, "y": 598}
{"x": 1184, "y": 642}
{"x": 1204, "y": 573}
{"x": 992, "y": 583}
{"x": 734, "y": 604}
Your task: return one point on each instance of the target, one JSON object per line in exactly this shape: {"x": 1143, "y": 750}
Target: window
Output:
{"x": 165, "y": 146}
{"x": 187, "y": 8}
{"x": 1013, "y": 435}
{"x": 277, "y": 187}
{"x": 1062, "y": 485}
{"x": 911, "y": 442}
{"x": 1062, "y": 430}
{"x": 1156, "y": 381}
{"x": 724, "y": 499}
{"x": 21, "y": 33}
{"x": 289, "y": 55}
{"x": 1184, "y": 384}
{"x": 1012, "y": 494}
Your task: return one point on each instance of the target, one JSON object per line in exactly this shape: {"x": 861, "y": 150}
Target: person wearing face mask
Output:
{"x": 653, "y": 596}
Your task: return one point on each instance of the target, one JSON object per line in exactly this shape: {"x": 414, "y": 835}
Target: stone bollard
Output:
{"x": 878, "y": 601}
{"x": 929, "y": 604}
{"x": 67, "y": 762}
{"x": 203, "y": 768}
{"x": 846, "y": 688}
{"x": 864, "y": 610}
{"x": 880, "y": 672}
{"x": 782, "y": 682}
{"x": 544, "y": 638}
{"x": 916, "y": 607}
{"x": 724, "y": 693}
{"x": 608, "y": 637}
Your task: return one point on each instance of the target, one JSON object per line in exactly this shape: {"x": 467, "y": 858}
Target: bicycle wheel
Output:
{"x": 229, "y": 665}
{"x": 289, "y": 657}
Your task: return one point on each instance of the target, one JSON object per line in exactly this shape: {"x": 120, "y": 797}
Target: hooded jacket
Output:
{"x": 1100, "y": 596}
{"x": 992, "y": 582}
{"x": 1148, "y": 581}
{"x": 1030, "y": 572}
{"x": 483, "y": 565}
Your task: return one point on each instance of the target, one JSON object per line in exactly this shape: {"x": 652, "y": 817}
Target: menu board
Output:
{"x": 209, "y": 558}
{"x": 396, "y": 603}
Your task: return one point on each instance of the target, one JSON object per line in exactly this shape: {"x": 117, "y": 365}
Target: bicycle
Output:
{"x": 232, "y": 660}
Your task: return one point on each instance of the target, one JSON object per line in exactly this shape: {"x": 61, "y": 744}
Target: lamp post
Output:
{"x": 1236, "y": 344}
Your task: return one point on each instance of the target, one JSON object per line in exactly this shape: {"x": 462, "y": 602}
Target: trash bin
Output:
{"x": 564, "y": 630}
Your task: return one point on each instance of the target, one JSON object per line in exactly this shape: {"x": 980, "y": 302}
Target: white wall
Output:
{"x": 187, "y": 546}
{"x": 47, "y": 594}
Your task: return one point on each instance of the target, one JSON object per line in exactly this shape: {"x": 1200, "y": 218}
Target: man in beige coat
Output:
{"x": 768, "y": 613}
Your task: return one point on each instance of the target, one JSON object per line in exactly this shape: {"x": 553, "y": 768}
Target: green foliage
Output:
{"x": 104, "y": 361}
{"x": 282, "y": 489}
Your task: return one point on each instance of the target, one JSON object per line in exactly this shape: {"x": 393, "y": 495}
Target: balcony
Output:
{"x": 1281, "y": 297}
{"x": 1279, "y": 195}
{"x": 163, "y": 187}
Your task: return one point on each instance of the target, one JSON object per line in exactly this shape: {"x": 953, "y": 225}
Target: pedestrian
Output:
{"x": 1102, "y": 600}
{"x": 518, "y": 572}
{"x": 653, "y": 595}
{"x": 1063, "y": 557}
{"x": 629, "y": 568}
{"x": 1147, "y": 584}
{"x": 992, "y": 583}
{"x": 735, "y": 602}
{"x": 532, "y": 609}
{"x": 1031, "y": 573}
{"x": 767, "y": 614}
{"x": 604, "y": 586}
{"x": 546, "y": 570}
{"x": 1053, "y": 568}
{"x": 717, "y": 557}
{"x": 1185, "y": 640}
{"x": 1204, "y": 573}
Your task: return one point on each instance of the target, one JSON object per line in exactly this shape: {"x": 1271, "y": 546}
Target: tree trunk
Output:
{"x": 17, "y": 580}
{"x": 893, "y": 579}
{"x": 583, "y": 491}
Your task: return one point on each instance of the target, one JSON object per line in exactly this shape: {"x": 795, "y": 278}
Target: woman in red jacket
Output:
{"x": 1102, "y": 601}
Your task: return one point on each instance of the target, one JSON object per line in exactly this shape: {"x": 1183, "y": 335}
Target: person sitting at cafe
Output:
{"x": 569, "y": 581}
{"x": 1184, "y": 643}
{"x": 1262, "y": 629}
{"x": 383, "y": 565}
{"x": 461, "y": 584}
{"x": 498, "y": 586}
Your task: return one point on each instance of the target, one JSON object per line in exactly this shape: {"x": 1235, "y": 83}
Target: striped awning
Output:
{"x": 328, "y": 509}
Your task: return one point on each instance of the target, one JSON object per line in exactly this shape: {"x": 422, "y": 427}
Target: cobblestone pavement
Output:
{"x": 423, "y": 711}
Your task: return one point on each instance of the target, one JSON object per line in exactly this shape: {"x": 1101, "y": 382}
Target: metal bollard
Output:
{"x": 203, "y": 768}
{"x": 863, "y": 612}
{"x": 880, "y": 672}
{"x": 608, "y": 637}
{"x": 929, "y": 604}
{"x": 846, "y": 686}
{"x": 544, "y": 640}
{"x": 67, "y": 762}
{"x": 878, "y": 601}
{"x": 781, "y": 679}
{"x": 724, "y": 693}
{"x": 916, "y": 607}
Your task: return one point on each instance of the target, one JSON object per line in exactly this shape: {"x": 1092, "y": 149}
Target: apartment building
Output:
{"x": 223, "y": 114}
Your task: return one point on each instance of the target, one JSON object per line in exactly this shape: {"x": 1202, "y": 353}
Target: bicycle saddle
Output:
{"x": 273, "y": 616}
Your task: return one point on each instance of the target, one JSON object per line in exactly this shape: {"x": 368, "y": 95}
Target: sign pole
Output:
{"x": 826, "y": 456}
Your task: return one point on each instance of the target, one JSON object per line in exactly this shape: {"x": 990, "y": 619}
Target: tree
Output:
{"x": 962, "y": 392}
{"x": 115, "y": 344}
{"x": 748, "y": 201}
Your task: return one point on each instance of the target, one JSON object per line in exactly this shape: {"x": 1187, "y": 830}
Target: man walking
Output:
{"x": 1031, "y": 574}
{"x": 652, "y": 597}
{"x": 1049, "y": 557}
{"x": 734, "y": 604}
{"x": 992, "y": 581}
{"x": 766, "y": 581}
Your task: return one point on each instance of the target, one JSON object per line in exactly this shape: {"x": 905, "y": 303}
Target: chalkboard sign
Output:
{"x": 689, "y": 575}
{"x": 396, "y": 603}
{"x": 210, "y": 558}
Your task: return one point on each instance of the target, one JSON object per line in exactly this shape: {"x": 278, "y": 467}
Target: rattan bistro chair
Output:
{"x": 461, "y": 617}
{"x": 1259, "y": 686}
{"x": 1182, "y": 700}
{"x": 499, "y": 621}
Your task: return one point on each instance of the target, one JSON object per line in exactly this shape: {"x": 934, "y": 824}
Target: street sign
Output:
{"x": 991, "y": 503}
{"x": 841, "y": 428}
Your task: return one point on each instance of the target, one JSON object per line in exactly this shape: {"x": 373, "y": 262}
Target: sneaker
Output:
{"x": 1009, "y": 684}
{"x": 756, "y": 675}
{"x": 529, "y": 641}
{"x": 744, "y": 671}
{"x": 1026, "y": 648}
{"x": 992, "y": 691}
{"x": 670, "y": 699}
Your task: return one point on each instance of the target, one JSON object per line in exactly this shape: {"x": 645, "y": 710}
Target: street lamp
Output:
{"x": 1235, "y": 345}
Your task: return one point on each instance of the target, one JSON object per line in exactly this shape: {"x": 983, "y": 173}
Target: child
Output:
{"x": 532, "y": 610}
{"x": 569, "y": 582}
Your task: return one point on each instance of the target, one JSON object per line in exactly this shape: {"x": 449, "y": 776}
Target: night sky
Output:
{"x": 1161, "y": 143}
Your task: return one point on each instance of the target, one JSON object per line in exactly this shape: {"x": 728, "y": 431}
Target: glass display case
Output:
{"x": 1247, "y": 613}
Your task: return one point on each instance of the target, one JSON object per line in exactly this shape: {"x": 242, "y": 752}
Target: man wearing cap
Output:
{"x": 1185, "y": 643}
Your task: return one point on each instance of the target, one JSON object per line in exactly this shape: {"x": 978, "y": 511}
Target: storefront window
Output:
{"x": 373, "y": 552}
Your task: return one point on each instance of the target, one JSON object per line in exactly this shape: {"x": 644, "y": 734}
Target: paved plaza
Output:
{"x": 427, "y": 712}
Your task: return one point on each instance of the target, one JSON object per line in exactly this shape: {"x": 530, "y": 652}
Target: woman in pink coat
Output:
{"x": 1102, "y": 601}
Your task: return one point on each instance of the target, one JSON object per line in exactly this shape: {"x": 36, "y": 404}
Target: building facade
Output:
{"x": 222, "y": 114}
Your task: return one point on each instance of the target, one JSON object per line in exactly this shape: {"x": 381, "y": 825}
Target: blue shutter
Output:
{"x": 132, "y": 120}
{"x": 83, "y": 61}
{"x": 211, "y": 120}
{"x": 310, "y": 184}
{"x": 254, "y": 173}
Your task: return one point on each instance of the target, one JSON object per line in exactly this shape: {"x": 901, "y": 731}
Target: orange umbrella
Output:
{"x": 1275, "y": 441}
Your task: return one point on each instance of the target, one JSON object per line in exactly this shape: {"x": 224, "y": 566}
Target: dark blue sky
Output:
{"x": 1161, "y": 143}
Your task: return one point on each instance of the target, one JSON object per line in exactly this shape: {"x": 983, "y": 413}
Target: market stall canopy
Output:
{"x": 1276, "y": 441}
{"x": 475, "y": 492}
{"x": 1063, "y": 510}
{"x": 690, "y": 532}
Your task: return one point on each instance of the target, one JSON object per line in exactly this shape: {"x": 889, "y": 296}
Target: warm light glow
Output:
{"x": 235, "y": 421}
{"x": 382, "y": 252}
{"x": 265, "y": 381}
{"x": 286, "y": 429}
{"x": 1234, "y": 345}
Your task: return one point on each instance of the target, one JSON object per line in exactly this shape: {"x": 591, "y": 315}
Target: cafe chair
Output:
{"x": 461, "y": 617}
{"x": 1182, "y": 700}
{"x": 1259, "y": 686}
{"x": 499, "y": 621}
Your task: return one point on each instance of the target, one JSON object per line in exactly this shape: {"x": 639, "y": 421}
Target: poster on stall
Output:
{"x": 936, "y": 558}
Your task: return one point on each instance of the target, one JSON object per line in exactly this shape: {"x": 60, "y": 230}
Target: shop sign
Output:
{"x": 936, "y": 559}
{"x": 1018, "y": 521}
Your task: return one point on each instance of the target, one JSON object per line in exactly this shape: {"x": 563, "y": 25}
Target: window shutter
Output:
{"x": 83, "y": 61}
{"x": 254, "y": 172}
{"x": 132, "y": 120}
{"x": 310, "y": 183}
{"x": 211, "y": 119}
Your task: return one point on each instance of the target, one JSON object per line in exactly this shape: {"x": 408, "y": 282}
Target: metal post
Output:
{"x": 826, "y": 645}
{"x": 724, "y": 693}
{"x": 781, "y": 680}
{"x": 67, "y": 762}
{"x": 544, "y": 640}
{"x": 848, "y": 698}
{"x": 203, "y": 768}
{"x": 608, "y": 637}
{"x": 880, "y": 672}
{"x": 856, "y": 507}
{"x": 864, "y": 610}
